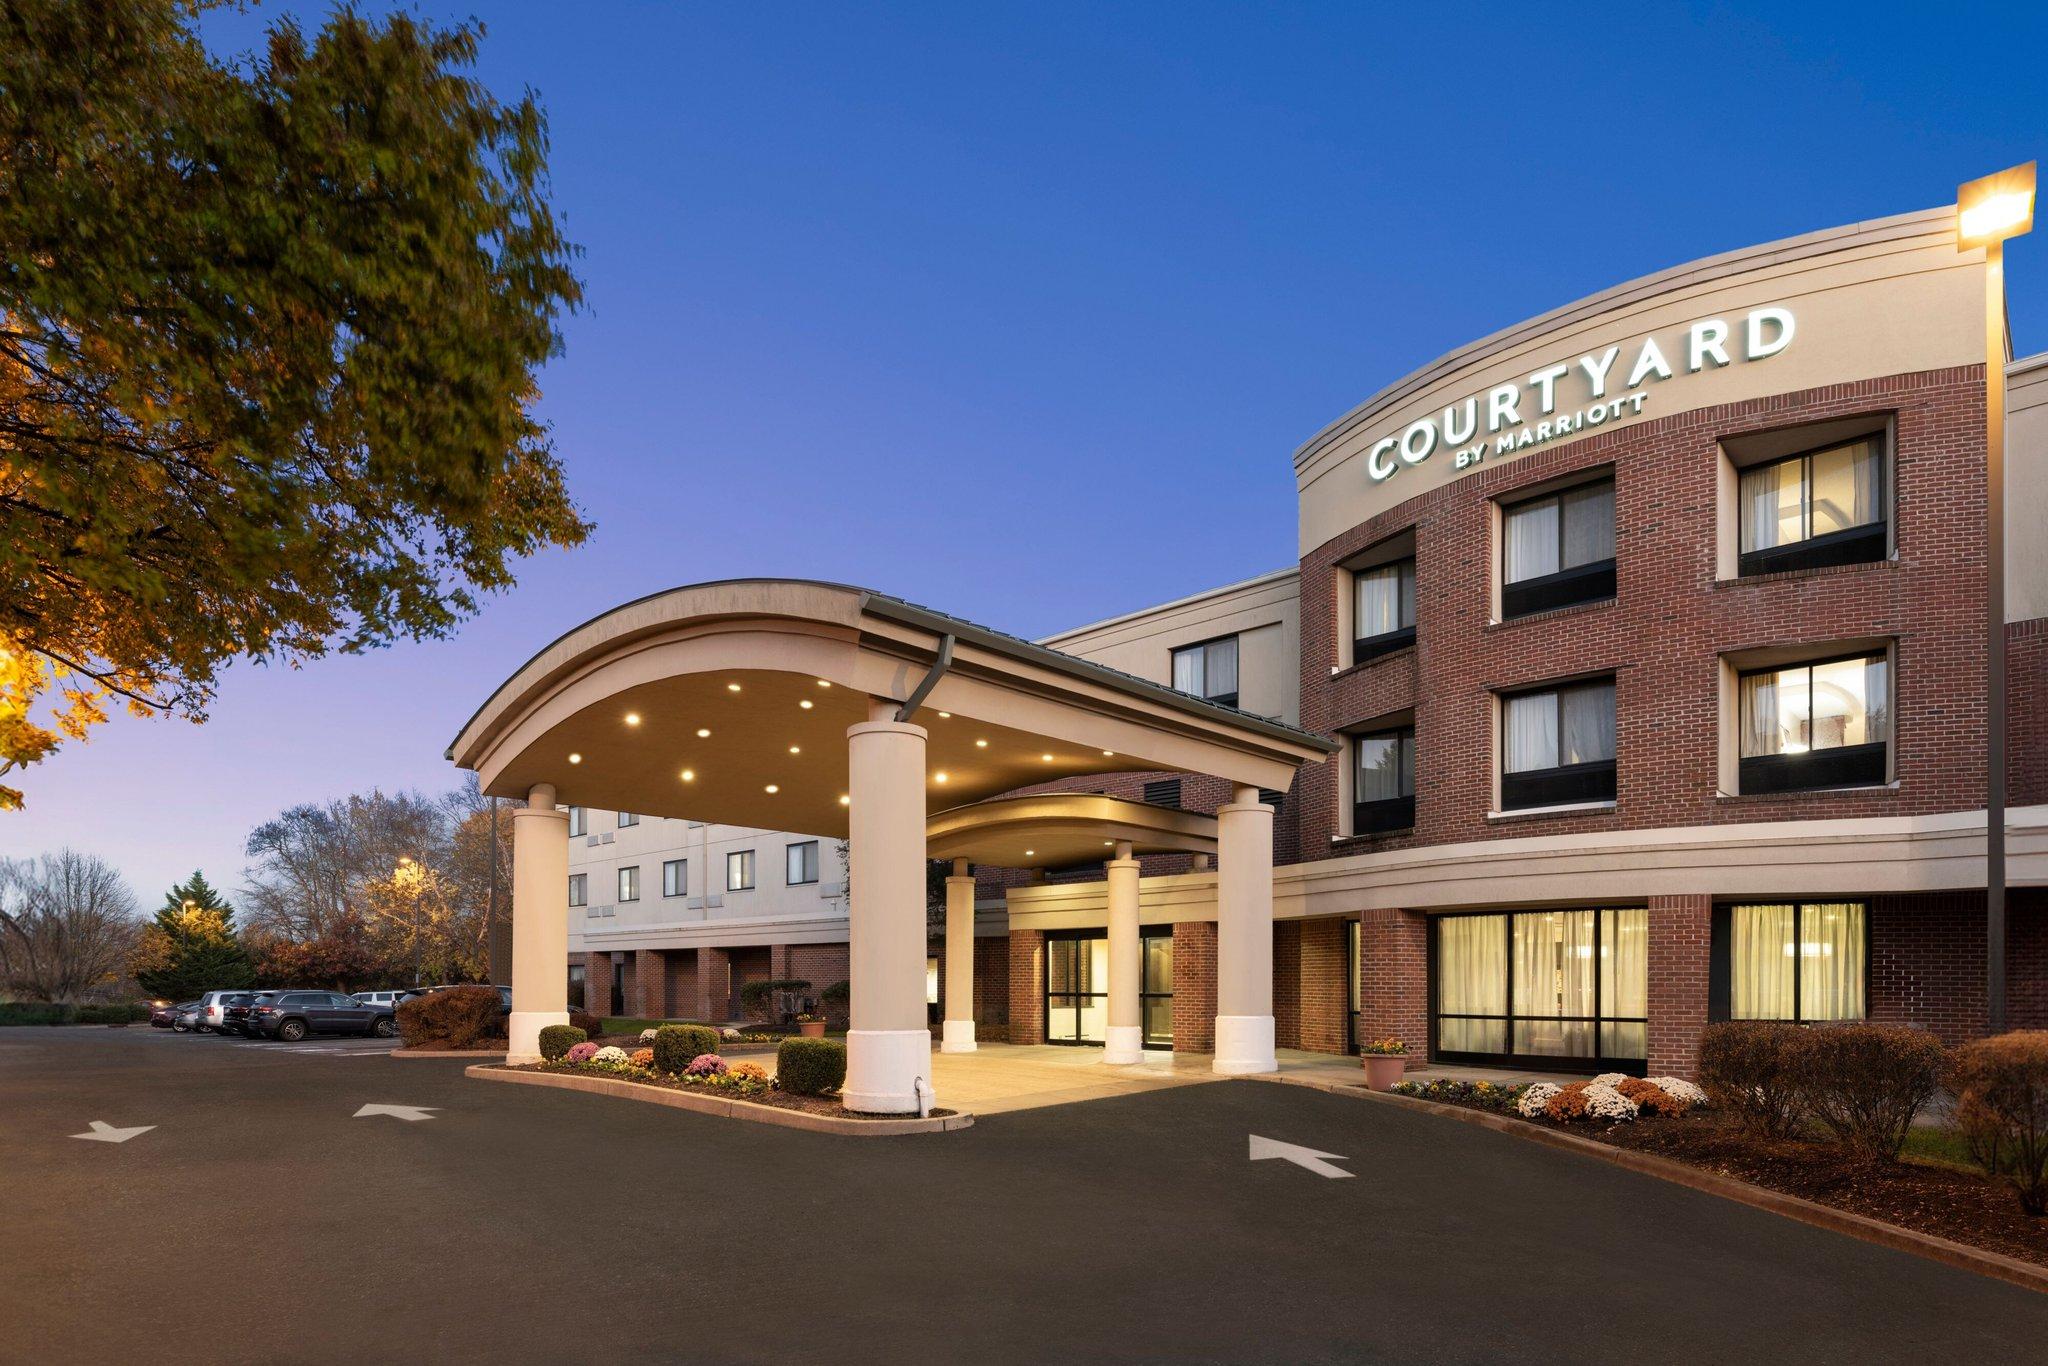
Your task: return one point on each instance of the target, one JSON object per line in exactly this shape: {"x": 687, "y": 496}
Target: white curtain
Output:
{"x": 1187, "y": 671}
{"x": 1766, "y": 700}
{"x": 1222, "y": 668}
{"x": 1588, "y": 525}
{"x": 1472, "y": 979}
{"x": 1773, "y": 501}
{"x": 1386, "y": 600}
{"x": 1760, "y": 947}
{"x": 1831, "y": 940}
{"x": 1554, "y": 968}
{"x": 1624, "y": 982}
{"x": 1531, "y": 541}
{"x": 1588, "y": 724}
{"x": 1530, "y": 726}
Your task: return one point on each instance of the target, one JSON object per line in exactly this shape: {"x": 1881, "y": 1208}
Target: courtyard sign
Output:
{"x": 1457, "y": 430}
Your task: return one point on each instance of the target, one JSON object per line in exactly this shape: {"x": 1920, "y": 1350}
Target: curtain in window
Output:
{"x": 1773, "y": 500}
{"x": 1831, "y": 961}
{"x": 1773, "y": 712}
{"x": 1187, "y": 671}
{"x": 1472, "y": 979}
{"x": 1624, "y": 982}
{"x": 1588, "y": 525}
{"x": 1222, "y": 668}
{"x": 1877, "y": 698}
{"x": 1760, "y": 962}
{"x": 1588, "y": 724}
{"x": 1530, "y": 725}
{"x": 1531, "y": 541}
{"x": 1383, "y": 768}
{"x": 1386, "y": 600}
{"x": 1842, "y": 488}
{"x": 1554, "y": 968}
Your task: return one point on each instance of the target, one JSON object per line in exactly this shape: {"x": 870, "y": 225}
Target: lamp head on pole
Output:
{"x": 1995, "y": 207}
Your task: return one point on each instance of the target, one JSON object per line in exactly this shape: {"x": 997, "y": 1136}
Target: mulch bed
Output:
{"x": 781, "y": 1100}
{"x": 497, "y": 1045}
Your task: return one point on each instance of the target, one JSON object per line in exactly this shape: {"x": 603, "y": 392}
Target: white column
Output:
{"x": 958, "y": 1034}
{"x": 1125, "y": 1040}
{"x": 888, "y": 1046}
{"x": 540, "y": 923}
{"x": 1244, "y": 935}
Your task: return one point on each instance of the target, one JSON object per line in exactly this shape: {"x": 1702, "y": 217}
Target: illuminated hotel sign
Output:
{"x": 1510, "y": 418}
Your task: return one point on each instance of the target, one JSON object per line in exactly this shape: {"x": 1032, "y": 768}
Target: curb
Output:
{"x": 498, "y": 1053}
{"x": 1996, "y": 1265}
{"x": 725, "y": 1108}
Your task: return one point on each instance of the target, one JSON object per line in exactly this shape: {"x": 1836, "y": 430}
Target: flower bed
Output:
{"x": 707, "y": 1074}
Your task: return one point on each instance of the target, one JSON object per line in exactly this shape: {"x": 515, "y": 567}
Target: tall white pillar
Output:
{"x": 958, "y": 1033}
{"x": 1244, "y": 936}
{"x": 1124, "y": 1042}
{"x": 888, "y": 1046}
{"x": 540, "y": 923}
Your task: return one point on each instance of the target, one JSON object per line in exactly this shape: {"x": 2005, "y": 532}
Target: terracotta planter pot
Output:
{"x": 811, "y": 1029}
{"x": 1382, "y": 1070}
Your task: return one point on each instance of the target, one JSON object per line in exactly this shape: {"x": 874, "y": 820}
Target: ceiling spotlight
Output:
{"x": 632, "y": 718}
{"x": 945, "y": 716}
{"x": 824, "y": 682}
{"x": 689, "y": 775}
{"x": 575, "y": 758}
{"x": 796, "y": 749}
{"x": 1046, "y": 757}
{"x": 938, "y": 777}
{"x": 845, "y": 800}
{"x": 1030, "y": 853}
{"x": 806, "y": 704}
{"x": 703, "y": 732}
{"x": 771, "y": 789}
{"x": 981, "y": 744}
{"x": 732, "y": 687}
{"x": 1109, "y": 754}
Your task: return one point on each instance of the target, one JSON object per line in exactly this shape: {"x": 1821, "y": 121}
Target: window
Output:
{"x": 627, "y": 818}
{"x": 578, "y": 889}
{"x": 1382, "y": 610}
{"x": 1817, "y": 508}
{"x": 1789, "y": 962}
{"x": 576, "y": 986}
{"x": 1557, "y": 745}
{"x": 800, "y": 863}
{"x": 1816, "y": 725}
{"x": 1163, "y": 792}
{"x": 1383, "y": 781}
{"x": 1566, "y": 984}
{"x": 579, "y": 822}
{"x": 1208, "y": 670}
{"x": 675, "y": 877}
{"x": 1558, "y": 550}
{"x": 739, "y": 871}
{"x": 629, "y": 884}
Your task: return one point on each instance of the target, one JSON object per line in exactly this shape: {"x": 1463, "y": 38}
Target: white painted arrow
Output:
{"x": 1264, "y": 1149}
{"x": 103, "y": 1132}
{"x": 408, "y": 1112}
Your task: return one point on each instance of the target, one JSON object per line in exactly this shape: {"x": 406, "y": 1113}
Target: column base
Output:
{"x": 884, "y": 1069}
{"x": 956, "y": 1036}
{"x": 1123, "y": 1044}
{"x": 1244, "y": 1044}
{"x": 523, "y": 1033}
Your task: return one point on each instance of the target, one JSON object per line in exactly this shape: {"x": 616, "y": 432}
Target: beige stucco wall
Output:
{"x": 1263, "y": 613}
{"x": 1885, "y": 297}
{"x": 2026, "y": 489}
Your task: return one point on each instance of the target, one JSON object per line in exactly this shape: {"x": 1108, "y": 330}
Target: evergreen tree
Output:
{"x": 192, "y": 946}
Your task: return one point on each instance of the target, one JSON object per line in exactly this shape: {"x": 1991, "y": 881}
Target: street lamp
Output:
{"x": 1988, "y": 211}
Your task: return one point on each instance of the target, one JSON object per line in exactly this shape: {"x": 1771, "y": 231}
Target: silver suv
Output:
{"x": 383, "y": 998}
{"x": 213, "y": 1010}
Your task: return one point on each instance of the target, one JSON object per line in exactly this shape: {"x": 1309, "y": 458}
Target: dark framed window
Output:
{"x": 576, "y": 980}
{"x": 1382, "y": 610}
{"x": 1558, "y": 549}
{"x": 578, "y": 889}
{"x": 1806, "y": 961}
{"x": 1383, "y": 781}
{"x": 629, "y": 883}
{"x": 1354, "y": 981}
{"x": 1820, "y": 507}
{"x": 1566, "y": 988}
{"x": 1208, "y": 670}
{"x": 1155, "y": 987}
{"x": 627, "y": 818}
{"x": 800, "y": 863}
{"x": 579, "y": 822}
{"x": 1077, "y": 986}
{"x": 1557, "y": 745}
{"x": 1807, "y": 726}
{"x": 1163, "y": 792}
{"x": 739, "y": 871}
{"x": 675, "y": 877}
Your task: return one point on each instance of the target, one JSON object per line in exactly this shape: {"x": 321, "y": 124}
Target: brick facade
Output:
{"x": 1393, "y": 953}
{"x": 1678, "y": 952}
{"x": 1026, "y": 981}
{"x": 1194, "y": 986}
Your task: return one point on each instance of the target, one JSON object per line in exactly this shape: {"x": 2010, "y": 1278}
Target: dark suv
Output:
{"x": 292, "y": 1015}
{"x": 234, "y": 1011}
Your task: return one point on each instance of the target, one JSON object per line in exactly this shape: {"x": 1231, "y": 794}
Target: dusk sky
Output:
{"x": 1021, "y": 313}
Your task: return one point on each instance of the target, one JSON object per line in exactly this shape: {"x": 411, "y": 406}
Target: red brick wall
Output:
{"x": 752, "y": 964}
{"x": 2026, "y": 709}
{"x": 1927, "y": 962}
{"x": 1194, "y": 986}
{"x": 1287, "y": 983}
{"x": 714, "y": 986}
{"x": 1678, "y": 953}
{"x": 1026, "y": 980}
{"x": 650, "y": 982}
{"x": 1393, "y": 951}
{"x": 1670, "y": 622}
{"x": 1325, "y": 1000}
{"x": 991, "y": 985}
{"x": 679, "y": 997}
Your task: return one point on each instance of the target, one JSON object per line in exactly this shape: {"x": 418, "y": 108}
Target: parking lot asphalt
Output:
{"x": 261, "y": 1219}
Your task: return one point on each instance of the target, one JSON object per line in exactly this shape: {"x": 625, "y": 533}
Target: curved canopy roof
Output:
{"x": 1063, "y": 829}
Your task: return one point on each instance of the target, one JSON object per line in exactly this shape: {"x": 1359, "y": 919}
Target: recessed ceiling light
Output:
{"x": 703, "y": 732}
{"x": 1109, "y": 844}
{"x": 771, "y": 789}
{"x": 1030, "y": 853}
{"x": 805, "y": 704}
{"x": 845, "y": 800}
{"x": 981, "y": 744}
{"x": 1109, "y": 754}
{"x": 796, "y": 749}
{"x": 689, "y": 775}
{"x": 824, "y": 682}
{"x": 732, "y": 687}
{"x": 1046, "y": 757}
{"x": 632, "y": 718}
{"x": 945, "y": 716}
{"x": 575, "y": 758}
{"x": 938, "y": 777}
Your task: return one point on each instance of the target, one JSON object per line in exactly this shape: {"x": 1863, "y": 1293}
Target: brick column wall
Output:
{"x": 992, "y": 988}
{"x": 597, "y": 984}
{"x": 714, "y": 986}
{"x": 1927, "y": 962}
{"x": 1393, "y": 951}
{"x": 1194, "y": 986}
{"x": 1681, "y": 929}
{"x": 1287, "y": 985}
{"x": 679, "y": 991}
{"x": 650, "y": 982}
{"x": 1027, "y": 986}
{"x": 1325, "y": 997}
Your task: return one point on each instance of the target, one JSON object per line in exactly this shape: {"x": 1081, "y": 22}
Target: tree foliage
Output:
{"x": 191, "y": 946}
{"x": 67, "y": 925}
{"x": 269, "y": 336}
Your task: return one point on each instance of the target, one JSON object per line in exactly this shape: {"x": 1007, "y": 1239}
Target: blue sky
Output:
{"x": 1021, "y": 312}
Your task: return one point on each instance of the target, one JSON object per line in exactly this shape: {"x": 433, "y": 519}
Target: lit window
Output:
{"x": 578, "y": 895}
{"x": 629, "y": 884}
{"x": 1557, "y": 745}
{"x": 800, "y": 863}
{"x": 1818, "y": 508}
{"x": 1382, "y": 610}
{"x": 675, "y": 877}
{"x": 739, "y": 871}
{"x": 1791, "y": 962}
{"x": 1816, "y": 725}
{"x": 1208, "y": 670}
{"x": 1558, "y": 550}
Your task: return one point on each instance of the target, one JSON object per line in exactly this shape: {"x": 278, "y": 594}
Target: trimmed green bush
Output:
{"x": 676, "y": 1045}
{"x": 555, "y": 1040}
{"x": 38, "y": 1013}
{"x": 840, "y": 992}
{"x": 1750, "y": 1068}
{"x": 754, "y": 995}
{"x": 454, "y": 1017}
{"x": 118, "y": 1013}
{"x": 1865, "y": 1082}
{"x": 810, "y": 1067}
{"x": 590, "y": 1024}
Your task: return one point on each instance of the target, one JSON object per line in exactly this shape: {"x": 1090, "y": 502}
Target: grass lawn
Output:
{"x": 1939, "y": 1145}
{"x": 631, "y": 1024}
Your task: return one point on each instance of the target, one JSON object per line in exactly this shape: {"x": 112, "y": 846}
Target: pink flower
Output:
{"x": 706, "y": 1065}
{"x": 582, "y": 1052}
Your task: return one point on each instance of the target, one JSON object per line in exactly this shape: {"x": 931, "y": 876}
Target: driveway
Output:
{"x": 261, "y": 1219}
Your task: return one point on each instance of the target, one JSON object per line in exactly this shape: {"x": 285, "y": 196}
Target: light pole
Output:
{"x": 1988, "y": 211}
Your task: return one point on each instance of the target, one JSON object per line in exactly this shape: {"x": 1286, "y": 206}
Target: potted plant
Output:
{"x": 811, "y": 1026}
{"x": 1385, "y": 1060}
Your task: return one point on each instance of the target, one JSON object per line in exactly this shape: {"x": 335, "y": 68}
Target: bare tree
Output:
{"x": 67, "y": 924}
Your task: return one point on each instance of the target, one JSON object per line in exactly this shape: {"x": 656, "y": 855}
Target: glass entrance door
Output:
{"x": 1076, "y": 987}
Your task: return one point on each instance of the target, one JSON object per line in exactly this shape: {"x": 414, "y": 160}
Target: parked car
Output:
{"x": 187, "y": 1018}
{"x": 385, "y": 998}
{"x": 213, "y": 1008}
{"x": 292, "y": 1015}
{"x": 164, "y": 1014}
{"x": 235, "y": 1013}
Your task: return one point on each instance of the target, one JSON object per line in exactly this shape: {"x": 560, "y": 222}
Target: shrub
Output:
{"x": 1749, "y": 1068}
{"x": 119, "y": 1013}
{"x": 1865, "y": 1082}
{"x": 642, "y": 1057}
{"x": 454, "y": 1017}
{"x": 582, "y": 1052}
{"x": 587, "y": 1022}
{"x": 706, "y": 1065}
{"x": 754, "y": 996}
{"x": 38, "y": 1013}
{"x": 810, "y": 1067}
{"x": 676, "y": 1045}
{"x": 556, "y": 1040}
{"x": 2001, "y": 1111}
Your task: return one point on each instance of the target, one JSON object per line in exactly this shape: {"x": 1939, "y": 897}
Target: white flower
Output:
{"x": 1532, "y": 1101}
{"x": 611, "y": 1056}
{"x": 646, "y": 1036}
{"x": 1609, "y": 1079}
{"x": 1604, "y": 1102}
{"x": 728, "y": 1033}
{"x": 1678, "y": 1088}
